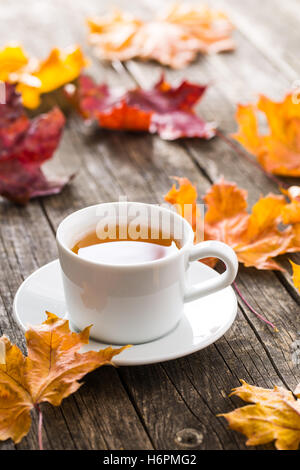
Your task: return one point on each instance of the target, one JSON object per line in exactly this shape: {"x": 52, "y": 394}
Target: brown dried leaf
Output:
{"x": 274, "y": 416}
{"x": 50, "y": 372}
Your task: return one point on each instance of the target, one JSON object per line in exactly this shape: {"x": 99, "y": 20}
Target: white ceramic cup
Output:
{"x": 134, "y": 303}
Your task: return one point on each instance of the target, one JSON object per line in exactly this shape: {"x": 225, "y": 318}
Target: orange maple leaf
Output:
{"x": 291, "y": 215}
{"x": 173, "y": 39}
{"x": 113, "y": 35}
{"x": 167, "y": 43}
{"x": 273, "y": 416}
{"x": 296, "y": 275}
{"x": 291, "y": 211}
{"x": 279, "y": 150}
{"x": 257, "y": 237}
{"x": 34, "y": 77}
{"x": 49, "y": 373}
{"x": 212, "y": 28}
{"x": 121, "y": 36}
{"x": 185, "y": 199}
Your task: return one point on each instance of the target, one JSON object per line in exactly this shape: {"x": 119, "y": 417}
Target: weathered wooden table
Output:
{"x": 146, "y": 407}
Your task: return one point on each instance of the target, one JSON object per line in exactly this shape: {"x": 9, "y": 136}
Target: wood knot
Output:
{"x": 189, "y": 438}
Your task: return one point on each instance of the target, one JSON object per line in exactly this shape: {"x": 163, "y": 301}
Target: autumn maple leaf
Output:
{"x": 279, "y": 150}
{"x": 273, "y": 416}
{"x": 113, "y": 35}
{"x": 291, "y": 215}
{"x": 50, "y": 372}
{"x": 12, "y": 59}
{"x": 165, "y": 110}
{"x": 257, "y": 238}
{"x": 185, "y": 200}
{"x": 296, "y": 275}
{"x": 291, "y": 211}
{"x": 211, "y": 28}
{"x": 24, "y": 145}
{"x": 59, "y": 68}
{"x": 174, "y": 38}
{"x": 34, "y": 77}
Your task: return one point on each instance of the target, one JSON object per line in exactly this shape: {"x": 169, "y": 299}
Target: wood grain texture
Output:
{"x": 146, "y": 407}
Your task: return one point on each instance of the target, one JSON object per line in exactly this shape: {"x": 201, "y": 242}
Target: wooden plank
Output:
{"x": 186, "y": 393}
{"x": 28, "y": 243}
{"x": 273, "y": 27}
{"x": 20, "y": 256}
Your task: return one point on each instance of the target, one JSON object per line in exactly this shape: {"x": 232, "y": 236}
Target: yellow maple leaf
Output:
{"x": 273, "y": 416}
{"x": 291, "y": 215}
{"x": 49, "y": 373}
{"x": 279, "y": 150}
{"x": 34, "y": 77}
{"x": 296, "y": 274}
{"x": 12, "y": 59}
{"x": 59, "y": 68}
{"x": 291, "y": 211}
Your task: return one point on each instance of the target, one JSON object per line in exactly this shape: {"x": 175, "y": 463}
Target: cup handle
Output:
{"x": 213, "y": 249}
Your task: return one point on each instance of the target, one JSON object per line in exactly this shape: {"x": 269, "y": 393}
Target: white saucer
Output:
{"x": 204, "y": 320}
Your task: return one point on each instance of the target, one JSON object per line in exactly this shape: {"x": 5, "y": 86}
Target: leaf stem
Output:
{"x": 40, "y": 426}
{"x": 252, "y": 309}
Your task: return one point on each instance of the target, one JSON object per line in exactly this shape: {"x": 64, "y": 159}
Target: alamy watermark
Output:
{"x": 143, "y": 221}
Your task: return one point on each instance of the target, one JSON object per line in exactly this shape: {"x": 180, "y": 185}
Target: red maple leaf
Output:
{"x": 165, "y": 110}
{"x": 24, "y": 145}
